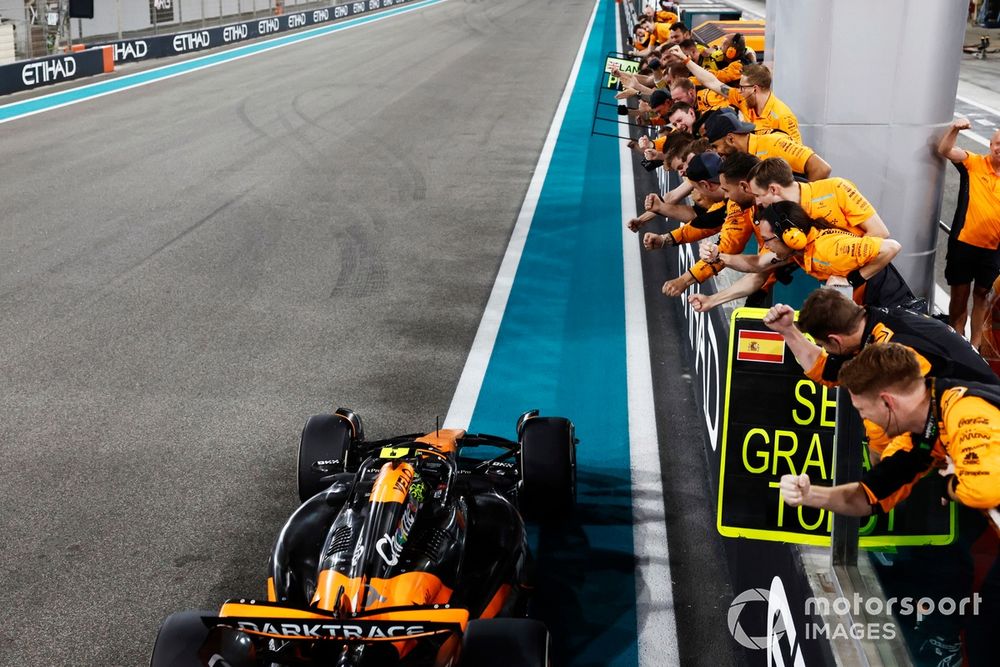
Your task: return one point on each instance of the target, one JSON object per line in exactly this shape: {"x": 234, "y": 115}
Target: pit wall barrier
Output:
{"x": 31, "y": 74}
{"x": 769, "y": 580}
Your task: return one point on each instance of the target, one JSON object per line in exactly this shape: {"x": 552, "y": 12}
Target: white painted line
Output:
{"x": 941, "y": 299}
{"x": 978, "y": 105}
{"x": 654, "y": 595}
{"x": 302, "y": 36}
{"x": 978, "y": 138}
{"x": 463, "y": 403}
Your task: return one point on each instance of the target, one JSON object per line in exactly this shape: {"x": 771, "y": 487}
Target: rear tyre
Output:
{"x": 323, "y": 451}
{"x": 547, "y": 490}
{"x": 505, "y": 642}
{"x": 180, "y": 637}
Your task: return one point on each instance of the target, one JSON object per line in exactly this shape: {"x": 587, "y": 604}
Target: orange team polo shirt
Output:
{"x": 837, "y": 201}
{"x": 731, "y": 72}
{"x": 707, "y": 223}
{"x": 778, "y": 145}
{"x": 708, "y": 100}
{"x": 979, "y": 222}
{"x": 775, "y": 116}
{"x": 736, "y": 232}
{"x": 663, "y": 16}
{"x": 662, "y": 31}
{"x": 834, "y": 252}
{"x": 642, "y": 46}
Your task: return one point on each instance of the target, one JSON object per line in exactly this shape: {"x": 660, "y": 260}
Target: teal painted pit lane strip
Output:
{"x": 554, "y": 337}
{"x": 64, "y": 98}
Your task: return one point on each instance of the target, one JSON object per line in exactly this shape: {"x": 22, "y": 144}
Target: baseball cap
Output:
{"x": 704, "y": 167}
{"x": 658, "y": 97}
{"x": 721, "y": 124}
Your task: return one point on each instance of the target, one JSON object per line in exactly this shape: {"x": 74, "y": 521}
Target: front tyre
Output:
{"x": 323, "y": 451}
{"x": 547, "y": 457}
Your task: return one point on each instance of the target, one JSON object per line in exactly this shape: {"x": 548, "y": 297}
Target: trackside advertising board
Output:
{"x": 30, "y": 74}
{"x": 777, "y": 422}
{"x": 26, "y": 75}
{"x": 197, "y": 40}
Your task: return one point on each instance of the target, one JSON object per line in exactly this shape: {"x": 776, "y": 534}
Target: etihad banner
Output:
{"x": 130, "y": 50}
{"x": 777, "y": 422}
{"x": 30, "y": 74}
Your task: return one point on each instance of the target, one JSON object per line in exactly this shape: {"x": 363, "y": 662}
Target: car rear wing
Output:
{"x": 278, "y": 621}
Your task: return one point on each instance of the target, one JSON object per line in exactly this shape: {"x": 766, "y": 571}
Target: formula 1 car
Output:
{"x": 404, "y": 551}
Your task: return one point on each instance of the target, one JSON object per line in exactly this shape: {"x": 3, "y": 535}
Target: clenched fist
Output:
{"x": 651, "y": 241}
{"x": 795, "y": 489}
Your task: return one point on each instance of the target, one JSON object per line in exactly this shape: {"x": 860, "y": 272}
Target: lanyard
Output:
{"x": 926, "y": 439}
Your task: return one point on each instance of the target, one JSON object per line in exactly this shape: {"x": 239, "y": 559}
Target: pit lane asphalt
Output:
{"x": 191, "y": 268}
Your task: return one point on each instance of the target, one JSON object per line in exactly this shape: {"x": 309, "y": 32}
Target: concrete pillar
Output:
{"x": 873, "y": 85}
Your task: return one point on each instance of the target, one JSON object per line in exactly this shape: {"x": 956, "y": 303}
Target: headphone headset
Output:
{"x": 736, "y": 47}
{"x": 791, "y": 236}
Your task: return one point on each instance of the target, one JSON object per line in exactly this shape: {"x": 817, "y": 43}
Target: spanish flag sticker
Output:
{"x": 766, "y": 346}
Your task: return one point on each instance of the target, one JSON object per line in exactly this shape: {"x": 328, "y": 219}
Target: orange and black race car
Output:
{"x": 405, "y": 551}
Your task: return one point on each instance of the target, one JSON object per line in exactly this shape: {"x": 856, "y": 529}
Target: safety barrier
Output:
{"x": 30, "y": 74}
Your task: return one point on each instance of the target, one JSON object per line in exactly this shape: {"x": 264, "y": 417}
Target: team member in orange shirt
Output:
{"x": 682, "y": 116}
{"x": 702, "y": 220}
{"x": 730, "y": 135}
{"x": 975, "y": 233}
{"x": 945, "y": 418}
{"x": 683, "y": 90}
{"x": 753, "y": 96}
{"x": 643, "y": 40}
{"x": 736, "y": 231}
{"x": 858, "y": 264}
{"x": 667, "y": 13}
{"x": 840, "y": 329}
{"x": 835, "y": 200}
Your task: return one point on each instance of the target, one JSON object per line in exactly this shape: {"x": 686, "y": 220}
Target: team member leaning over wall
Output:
{"x": 949, "y": 418}
{"x": 703, "y": 219}
{"x": 842, "y": 328}
{"x": 736, "y": 231}
{"x": 643, "y": 40}
{"x": 840, "y": 258}
{"x": 683, "y": 90}
{"x": 835, "y": 200}
{"x": 729, "y": 135}
{"x": 708, "y": 212}
{"x": 752, "y": 96}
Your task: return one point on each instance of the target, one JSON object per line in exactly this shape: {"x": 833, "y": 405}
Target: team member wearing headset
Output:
{"x": 956, "y": 419}
{"x": 841, "y": 329}
{"x": 840, "y": 258}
